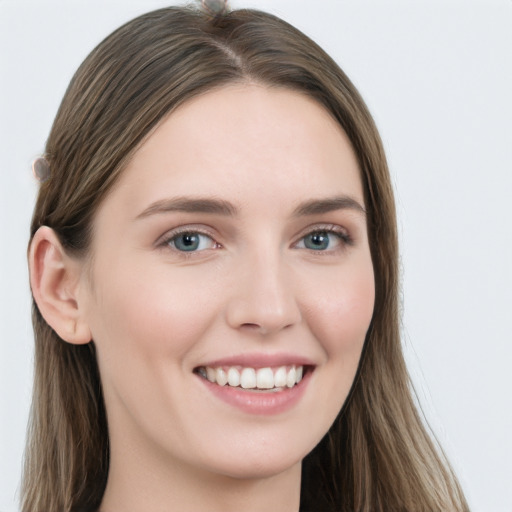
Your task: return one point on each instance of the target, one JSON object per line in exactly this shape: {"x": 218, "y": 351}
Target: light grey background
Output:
{"x": 437, "y": 76}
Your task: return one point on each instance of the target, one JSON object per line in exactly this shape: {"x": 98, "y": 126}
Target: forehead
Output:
{"x": 244, "y": 138}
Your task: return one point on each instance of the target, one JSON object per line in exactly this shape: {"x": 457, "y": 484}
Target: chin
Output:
{"x": 258, "y": 470}
{"x": 260, "y": 460}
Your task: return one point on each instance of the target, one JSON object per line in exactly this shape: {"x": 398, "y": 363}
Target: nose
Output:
{"x": 263, "y": 299}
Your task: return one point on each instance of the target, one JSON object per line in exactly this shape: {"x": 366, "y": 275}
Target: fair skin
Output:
{"x": 235, "y": 240}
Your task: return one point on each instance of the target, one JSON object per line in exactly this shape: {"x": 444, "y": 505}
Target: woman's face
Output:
{"x": 234, "y": 247}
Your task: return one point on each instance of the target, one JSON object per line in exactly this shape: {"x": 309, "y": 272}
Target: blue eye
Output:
{"x": 191, "y": 241}
{"x": 321, "y": 241}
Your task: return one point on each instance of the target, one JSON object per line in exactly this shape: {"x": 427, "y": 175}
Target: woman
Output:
{"x": 213, "y": 261}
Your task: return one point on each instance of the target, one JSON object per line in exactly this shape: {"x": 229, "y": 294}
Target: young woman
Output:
{"x": 213, "y": 261}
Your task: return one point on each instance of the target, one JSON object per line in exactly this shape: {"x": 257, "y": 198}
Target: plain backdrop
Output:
{"x": 437, "y": 76}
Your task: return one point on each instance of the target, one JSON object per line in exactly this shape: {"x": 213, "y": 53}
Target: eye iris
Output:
{"x": 317, "y": 241}
{"x": 187, "y": 242}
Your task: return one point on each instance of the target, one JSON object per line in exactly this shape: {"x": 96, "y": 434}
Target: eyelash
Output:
{"x": 331, "y": 229}
{"x": 345, "y": 240}
{"x": 189, "y": 230}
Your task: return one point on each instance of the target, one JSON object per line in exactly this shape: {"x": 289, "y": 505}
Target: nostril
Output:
{"x": 251, "y": 326}
{"x": 260, "y": 329}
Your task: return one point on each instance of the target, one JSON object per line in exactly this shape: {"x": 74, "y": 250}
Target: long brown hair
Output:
{"x": 377, "y": 456}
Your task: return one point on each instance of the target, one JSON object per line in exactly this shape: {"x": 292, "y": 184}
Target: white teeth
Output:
{"x": 280, "y": 377}
{"x": 265, "y": 378}
{"x": 221, "y": 377}
{"x": 210, "y": 374}
{"x": 233, "y": 377}
{"x": 251, "y": 378}
{"x": 290, "y": 378}
{"x": 248, "y": 378}
{"x": 300, "y": 370}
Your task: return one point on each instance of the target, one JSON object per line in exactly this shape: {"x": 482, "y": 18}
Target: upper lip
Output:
{"x": 260, "y": 360}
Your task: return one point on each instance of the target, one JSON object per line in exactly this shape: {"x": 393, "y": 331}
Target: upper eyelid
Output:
{"x": 329, "y": 227}
{"x": 344, "y": 235}
{"x": 172, "y": 233}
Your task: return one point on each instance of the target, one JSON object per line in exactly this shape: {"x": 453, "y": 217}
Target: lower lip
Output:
{"x": 254, "y": 402}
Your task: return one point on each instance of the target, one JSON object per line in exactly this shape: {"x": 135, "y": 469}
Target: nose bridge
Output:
{"x": 263, "y": 297}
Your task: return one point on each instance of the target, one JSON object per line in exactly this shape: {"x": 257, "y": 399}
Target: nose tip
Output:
{"x": 262, "y": 319}
{"x": 265, "y": 322}
{"x": 264, "y": 304}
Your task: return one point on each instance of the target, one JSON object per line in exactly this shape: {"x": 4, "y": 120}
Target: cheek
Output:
{"x": 339, "y": 318}
{"x": 341, "y": 314}
{"x": 151, "y": 313}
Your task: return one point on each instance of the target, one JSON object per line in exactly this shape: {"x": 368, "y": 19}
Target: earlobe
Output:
{"x": 55, "y": 281}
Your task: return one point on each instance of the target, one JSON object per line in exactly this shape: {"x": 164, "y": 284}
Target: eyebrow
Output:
{"x": 330, "y": 204}
{"x": 190, "y": 205}
{"x": 221, "y": 207}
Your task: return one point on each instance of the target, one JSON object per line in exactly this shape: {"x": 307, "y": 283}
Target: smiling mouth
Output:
{"x": 266, "y": 379}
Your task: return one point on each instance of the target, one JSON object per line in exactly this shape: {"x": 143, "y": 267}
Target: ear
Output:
{"x": 55, "y": 279}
